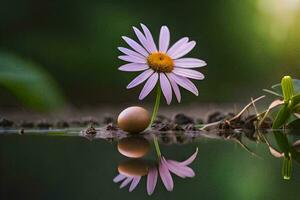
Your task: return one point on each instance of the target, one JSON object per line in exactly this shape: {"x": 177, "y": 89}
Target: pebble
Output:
{"x": 183, "y": 119}
{"x": 215, "y": 117}
{"x": 6, "y": 123}
{"x": 134, "y": 119}
{"x": 90, "y": 131}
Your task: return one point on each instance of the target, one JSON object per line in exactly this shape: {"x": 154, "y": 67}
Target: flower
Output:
{"x": 181, "y": 169}
{"x": 165, "y": 167}
{"x": 164, "y": 64}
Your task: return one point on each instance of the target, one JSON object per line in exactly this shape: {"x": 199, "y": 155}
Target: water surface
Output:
{"x": 54, "y": 167}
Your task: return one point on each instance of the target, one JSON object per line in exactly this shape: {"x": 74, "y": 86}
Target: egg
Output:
{"x": 133, "y": 147}
{"x": 134, "y": 167}
{"x": 134, "y": 119}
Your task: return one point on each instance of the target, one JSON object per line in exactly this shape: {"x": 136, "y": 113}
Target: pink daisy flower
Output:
{"x": 163, "y": 64}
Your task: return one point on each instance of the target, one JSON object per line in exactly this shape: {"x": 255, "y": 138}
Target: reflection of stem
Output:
{"x": 153, "y": 117}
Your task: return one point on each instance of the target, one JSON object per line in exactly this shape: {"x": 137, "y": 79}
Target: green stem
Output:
{"x": 153, "y": 117}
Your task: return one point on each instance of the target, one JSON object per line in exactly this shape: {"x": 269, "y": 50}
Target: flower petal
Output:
{"x": 137, "y": 47}
{"x": 134, "y": 183}
{"x": 119, "y": 178}
{"x": 152, "y": 46}
{"x": 190, "y": 159}
{"x": 126, "y": 182}
{"x": 133, "y": 67}
{"x": 175, "y": 170}
{"x": 140, "y": 78}
{"x": 151, "y": 180}
{"x": 129, "y": 52}
{"x": 166, "y": 87}
{"x": 132, "y": 59}
{"x": 189, "y": 73}
{"x": 164, "y": 39}
{"x": 183, "y": 50}
{"x": 189, "y": 63}
{"x": 275, "y": 153}
{"x": 185, "y": 83}
{"x": 165, "y": 175}
{"x": 177, "y": 45}
{"x": 180, "y": 170}
{"x": 142, "y": 39}
{"x": 149, "y": 85}
{"x": 175, "y": 88}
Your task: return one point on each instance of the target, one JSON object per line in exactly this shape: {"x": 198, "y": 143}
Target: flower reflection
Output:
{"x": 180, "y": 169}
{"x": 131, "y": 172}
{"x": 134, "y": 180}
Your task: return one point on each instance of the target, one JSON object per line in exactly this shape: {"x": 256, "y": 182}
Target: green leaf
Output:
{"x": 295, "y": 101}
{"x": 282, "y": 117}
{"x": 294, "y": 125}
{"x": 28, "y": 82}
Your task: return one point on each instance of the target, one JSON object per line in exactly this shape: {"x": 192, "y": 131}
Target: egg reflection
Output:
{"x": 133, "y": 147}
{"x": 134, "y": 167}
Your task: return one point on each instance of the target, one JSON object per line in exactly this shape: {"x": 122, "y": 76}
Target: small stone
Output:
{"x": 182, "y": 119}
{"x": 6, "y": 123}
{"x": 215, "y": 117}
{"x": 161, "y": 118}
{"x": 90, "y": 131}
{"x": 134, "y": 119}
{"x": 133, "y": 147}
{"x": 111, "y": 127}
{"x": 161, "y": 126}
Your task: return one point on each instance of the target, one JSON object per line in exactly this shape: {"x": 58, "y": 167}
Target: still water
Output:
{"x": 55, "y": 167}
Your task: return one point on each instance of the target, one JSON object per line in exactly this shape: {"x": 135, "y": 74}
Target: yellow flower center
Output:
{"x": 160, "y": 62}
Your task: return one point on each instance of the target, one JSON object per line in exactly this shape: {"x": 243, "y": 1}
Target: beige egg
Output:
{"x": 134, "y": 167}
{"x": 133, "y": 147}
{"x": 134, "y": 119}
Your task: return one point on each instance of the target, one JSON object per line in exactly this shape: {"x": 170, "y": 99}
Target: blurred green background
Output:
{"x": 248, "y": 45}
